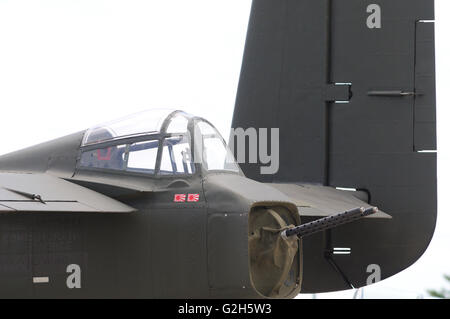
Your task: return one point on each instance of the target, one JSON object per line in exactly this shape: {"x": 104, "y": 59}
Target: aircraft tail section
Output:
{"x": 351, "y": 86}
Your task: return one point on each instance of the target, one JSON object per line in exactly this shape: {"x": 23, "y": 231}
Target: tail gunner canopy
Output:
{"x": 160, "y": 141}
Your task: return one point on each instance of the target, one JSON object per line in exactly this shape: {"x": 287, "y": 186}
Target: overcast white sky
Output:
{"x": 66, "y": 65}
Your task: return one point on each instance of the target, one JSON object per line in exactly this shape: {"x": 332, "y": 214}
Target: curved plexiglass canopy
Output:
{"x": 158, "y": 141}
{"x": 142, "y": 123}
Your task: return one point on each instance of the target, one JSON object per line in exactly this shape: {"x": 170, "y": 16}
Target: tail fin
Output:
{"x": 351, "y": 85}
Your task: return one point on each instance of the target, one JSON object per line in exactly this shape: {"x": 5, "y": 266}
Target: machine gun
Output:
{"x": 329, "y": 222}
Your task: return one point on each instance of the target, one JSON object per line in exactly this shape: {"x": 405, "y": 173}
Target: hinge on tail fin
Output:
{"x": 338, "y": 92}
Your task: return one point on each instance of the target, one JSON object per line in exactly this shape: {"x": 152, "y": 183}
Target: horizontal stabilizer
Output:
{"x": 45, "y": 193}
{"x": 316, "y": 200}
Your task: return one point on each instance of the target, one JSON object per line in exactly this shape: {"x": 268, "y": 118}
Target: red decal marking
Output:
{"x": 193, "y": 197}
{"x": 179, "y": 198}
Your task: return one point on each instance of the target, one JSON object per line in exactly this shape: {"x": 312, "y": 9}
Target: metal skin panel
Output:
{"x": 425, "y": 103}
{"x": 59, "y": 156}
{"x": 297, "y": 49}
{"x": 283, "y": 77}
{"x": 139, "y": 255}
{"x": 230, "y": 198}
